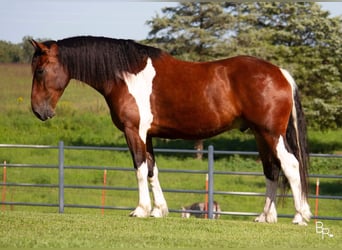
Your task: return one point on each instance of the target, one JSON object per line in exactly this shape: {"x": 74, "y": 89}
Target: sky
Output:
{"x": 58, "y": 19}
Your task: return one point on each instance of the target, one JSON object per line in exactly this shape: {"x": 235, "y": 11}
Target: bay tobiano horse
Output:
{"x": 152, "y": 94}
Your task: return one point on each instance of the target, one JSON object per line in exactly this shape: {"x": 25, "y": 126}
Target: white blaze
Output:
{"x": 140, "y": 87}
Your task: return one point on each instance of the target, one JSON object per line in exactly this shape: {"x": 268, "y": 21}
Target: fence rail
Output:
{"x": 210, "y": 171}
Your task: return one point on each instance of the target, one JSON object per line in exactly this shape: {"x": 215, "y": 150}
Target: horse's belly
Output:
{"x": 192, "y": 126}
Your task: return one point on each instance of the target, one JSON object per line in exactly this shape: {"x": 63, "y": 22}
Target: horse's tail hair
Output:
{"x": 296, "y": 136}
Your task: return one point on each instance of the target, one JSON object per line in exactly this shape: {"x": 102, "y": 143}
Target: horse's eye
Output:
{"x": 40, "y": 71}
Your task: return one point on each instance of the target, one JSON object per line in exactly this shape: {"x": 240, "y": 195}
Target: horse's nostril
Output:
{"x": 43, "y": 115}
{"x": 38, "y": 115}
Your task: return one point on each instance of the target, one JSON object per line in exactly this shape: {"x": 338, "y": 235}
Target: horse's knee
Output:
{"x": 150, "y": 164}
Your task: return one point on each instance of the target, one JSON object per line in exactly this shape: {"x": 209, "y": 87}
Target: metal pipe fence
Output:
{"x": 210, "y": 152}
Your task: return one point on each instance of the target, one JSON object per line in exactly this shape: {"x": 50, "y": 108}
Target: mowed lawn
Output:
{"x": 52, "y": 230}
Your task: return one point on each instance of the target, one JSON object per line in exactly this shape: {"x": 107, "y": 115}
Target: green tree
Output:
{"x": 9, "y": 53}
{"x": 192, "y": 30}
{"x": 17, "y": 53}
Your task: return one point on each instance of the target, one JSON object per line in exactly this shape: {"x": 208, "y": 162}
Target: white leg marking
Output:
{"x": 290, "y": 166}
{"x": 140, "y": 87}
{"x": 160, "y": 208}
{"x": 144, "y": 207}
{"x": 270, "y": 213}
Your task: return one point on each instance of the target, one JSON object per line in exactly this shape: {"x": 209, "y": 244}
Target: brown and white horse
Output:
{"x": 152, "y": 94}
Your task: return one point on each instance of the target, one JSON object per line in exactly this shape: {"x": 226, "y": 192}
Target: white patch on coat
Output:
{"x": 289, "y": 165}
{"x": 140, "y": 87}
{"x": 293, "y": 85}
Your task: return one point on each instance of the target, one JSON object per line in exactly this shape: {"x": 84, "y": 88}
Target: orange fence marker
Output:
{"x": 4, "y": 177}
{"x": 104, "y": 190}
{"x": 317, "y": 193}
{"x": 206, "y": 197}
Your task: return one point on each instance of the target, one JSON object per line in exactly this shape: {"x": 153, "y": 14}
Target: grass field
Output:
{"x": 45, "y": 230}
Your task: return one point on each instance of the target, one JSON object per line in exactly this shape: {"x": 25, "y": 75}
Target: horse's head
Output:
{"x": 49, "y": 79}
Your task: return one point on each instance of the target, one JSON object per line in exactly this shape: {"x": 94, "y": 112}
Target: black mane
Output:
{"x": 97, "y": 60}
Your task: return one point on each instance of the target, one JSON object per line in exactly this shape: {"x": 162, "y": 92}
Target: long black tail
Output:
{"x": 296, "y": 137}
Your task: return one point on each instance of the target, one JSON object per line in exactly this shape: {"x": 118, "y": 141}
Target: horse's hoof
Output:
{"x": 269, "y": 217}
{"x": 299, "y": 220}
{"x": 140, "y": 212}
{"x": 261, "y": 218}
{"x": 160, "y": 211}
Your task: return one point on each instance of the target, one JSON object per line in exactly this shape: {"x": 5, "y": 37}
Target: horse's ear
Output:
{"x": 38, "y": 46}
{"x": 33, "y": 43}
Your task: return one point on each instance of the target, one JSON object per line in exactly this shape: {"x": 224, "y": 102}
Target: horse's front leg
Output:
{"x": 138, "y": 151}
{"x": 160, "y": 208}
{"x": 144, "y": 206}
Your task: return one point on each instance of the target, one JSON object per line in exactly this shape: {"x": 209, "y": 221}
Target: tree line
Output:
{"x": 300, "y": 37}
{"x": 16, "y": 53}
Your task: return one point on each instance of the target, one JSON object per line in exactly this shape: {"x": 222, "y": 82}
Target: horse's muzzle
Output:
{"x": 43, "y": 114}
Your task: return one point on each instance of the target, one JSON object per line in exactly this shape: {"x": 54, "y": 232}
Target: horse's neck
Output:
{"x": 84, "y": 72}
{"x": 102, "y": 88}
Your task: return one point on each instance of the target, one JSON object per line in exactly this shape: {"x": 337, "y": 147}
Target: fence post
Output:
{"x": 61, "y": 175}
{"x": 210, "y": 181}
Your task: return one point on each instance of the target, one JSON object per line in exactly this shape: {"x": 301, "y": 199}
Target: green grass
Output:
{"x": 46, "y": 230}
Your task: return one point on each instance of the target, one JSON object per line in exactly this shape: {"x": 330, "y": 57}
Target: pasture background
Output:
{"x": 83, "y": 119}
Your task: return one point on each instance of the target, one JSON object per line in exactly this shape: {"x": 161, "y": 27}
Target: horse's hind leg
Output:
{"x": 271, "y": 172}
{"x": 290, "y": 167}
{"x": 281, "y": 158}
